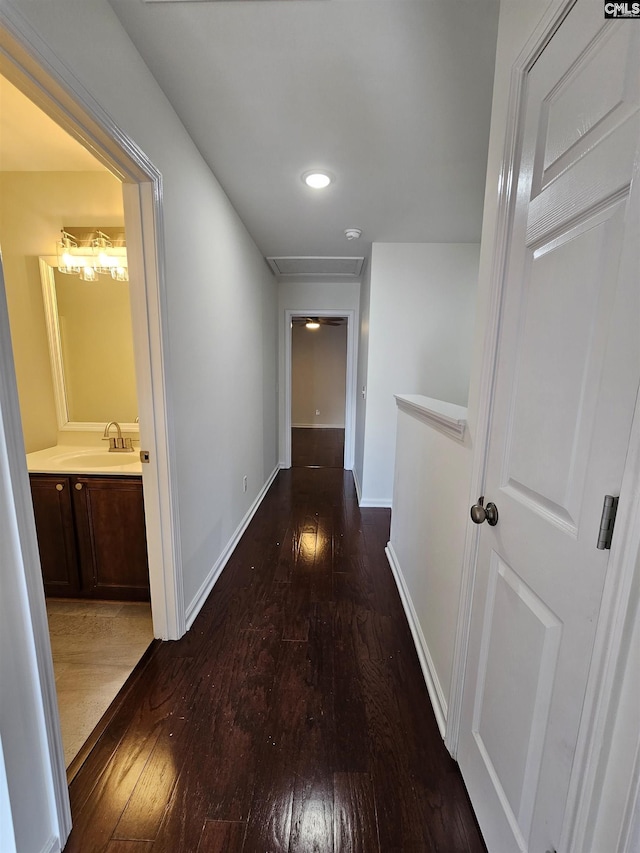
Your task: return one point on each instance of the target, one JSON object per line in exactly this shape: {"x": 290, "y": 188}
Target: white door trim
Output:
{"x": 610, "y": 637}
{"x": 350, "y": 401}
{"x": 13, "y": 472}
{"x": 27, "y": 61}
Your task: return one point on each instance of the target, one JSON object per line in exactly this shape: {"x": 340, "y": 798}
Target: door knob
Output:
{"x": 488, "y": 513}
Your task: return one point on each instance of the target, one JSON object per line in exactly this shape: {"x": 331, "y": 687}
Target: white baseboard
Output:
{"x": 375, "y": 502}
{"x": 317, "y": 426}
{"x": 209, "y": 582}
{"x": 52, "y": 845}
{"x": 356, "y": 483}
{"x": 436, "y": 694}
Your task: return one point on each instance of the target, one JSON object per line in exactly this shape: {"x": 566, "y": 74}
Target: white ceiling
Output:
{"x": 391, "y": 96}
{"x": 32, "y": 142}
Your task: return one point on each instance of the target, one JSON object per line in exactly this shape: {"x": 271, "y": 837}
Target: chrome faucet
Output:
{"x": 117, "y": 444}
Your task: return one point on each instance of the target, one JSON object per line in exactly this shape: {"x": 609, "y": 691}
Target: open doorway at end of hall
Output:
{"x": 318, "y": 391}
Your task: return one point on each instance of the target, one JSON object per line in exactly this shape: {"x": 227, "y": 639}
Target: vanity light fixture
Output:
{"x": 66, "y": 262}
{"x": 93, "y": 256}
{"x": 316, "y": 179}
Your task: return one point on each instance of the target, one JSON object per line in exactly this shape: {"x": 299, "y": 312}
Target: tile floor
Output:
{"x": 95, "y": 646}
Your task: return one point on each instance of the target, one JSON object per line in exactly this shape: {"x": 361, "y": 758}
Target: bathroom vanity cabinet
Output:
{"x": 91, "y": 535}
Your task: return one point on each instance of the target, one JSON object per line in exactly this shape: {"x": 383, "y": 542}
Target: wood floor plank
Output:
{"x": 355, "y": 824}
{"x": 286, "y": 557}
{"x": 298, "y": 614}
{"x": 312, "y": 815}
{"x": 293, "y": 716}
{"x": 352, "y": 738}
{"x": 143, "y": 814}
{"x": 400, "y": 818}
{"x": 95, "y": 824}
{"x": 222, "y": 836}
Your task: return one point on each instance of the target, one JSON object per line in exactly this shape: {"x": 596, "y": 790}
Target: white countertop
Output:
{"x": 70, "y": 459}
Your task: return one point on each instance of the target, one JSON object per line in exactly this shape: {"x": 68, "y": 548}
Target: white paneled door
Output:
{"x": 566, "y": 381}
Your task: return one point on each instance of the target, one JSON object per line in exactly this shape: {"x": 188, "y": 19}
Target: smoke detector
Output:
{"x": 352, "y": 233}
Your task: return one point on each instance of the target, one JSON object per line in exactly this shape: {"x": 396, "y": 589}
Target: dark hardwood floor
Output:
{"x": 292, "y": 717}
{"x": 317, "y": 448}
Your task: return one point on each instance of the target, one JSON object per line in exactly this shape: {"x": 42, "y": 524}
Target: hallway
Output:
{"x": 293, "y": 716}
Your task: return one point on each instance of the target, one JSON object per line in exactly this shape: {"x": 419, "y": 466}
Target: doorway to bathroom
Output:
{"x": 72, "y": 344}
{"x": 63, "y": 100}
{"x": 318, "y": 391}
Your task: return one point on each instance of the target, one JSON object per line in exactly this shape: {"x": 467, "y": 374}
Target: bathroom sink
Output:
{"x": 69, "y": 459}
{"x": 98, "y": 460}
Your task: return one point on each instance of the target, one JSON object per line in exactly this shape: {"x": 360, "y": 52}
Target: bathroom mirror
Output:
{"x": 91, "y": 349}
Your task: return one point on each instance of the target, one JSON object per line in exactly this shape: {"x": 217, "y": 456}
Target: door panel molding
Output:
{"x": 512, "y": 609}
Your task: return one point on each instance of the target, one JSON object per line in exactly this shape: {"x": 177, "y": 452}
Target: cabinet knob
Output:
{"x": 59, "y": 487}
{"x": 79, "y": 486}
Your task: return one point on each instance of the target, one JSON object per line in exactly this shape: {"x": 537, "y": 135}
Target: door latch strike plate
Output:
{"x": 144, "y": 455}
{"x": 607, "y": 522}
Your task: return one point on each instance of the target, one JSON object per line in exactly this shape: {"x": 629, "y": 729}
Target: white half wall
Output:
{"x": 428, "y": 525}
{"x": 420, "y": 334}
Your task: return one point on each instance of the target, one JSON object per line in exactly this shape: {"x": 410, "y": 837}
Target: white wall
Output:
{"x": 7, "y": 835}
{"x": 362, "y": 377}
{"x": 421, "y": 319}
{"x": 220, "y": 294}
{"x": 428, "y": 523}
{"x": 221, "y": 357}
{"x": 318, "y": 376}
{"x": 308, "y": 297}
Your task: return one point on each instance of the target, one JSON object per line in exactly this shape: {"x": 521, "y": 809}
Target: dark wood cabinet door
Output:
{"x": 111, "y": 537}
{"x": 52, "y": 507}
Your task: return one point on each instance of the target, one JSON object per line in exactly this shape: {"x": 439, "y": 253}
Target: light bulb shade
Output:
{"x": 66, "y": 262}
{"x": 101, "y": 247}
{"x": 119, "y": 273}
{"x": 312, "y": 324}
{"x": 89, "y": 273}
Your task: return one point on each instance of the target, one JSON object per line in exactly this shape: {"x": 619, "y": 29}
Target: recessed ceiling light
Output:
{"x": 317, "y": 180}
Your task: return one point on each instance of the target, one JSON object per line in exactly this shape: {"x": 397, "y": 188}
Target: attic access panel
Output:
{"x": 299, "y": 266}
